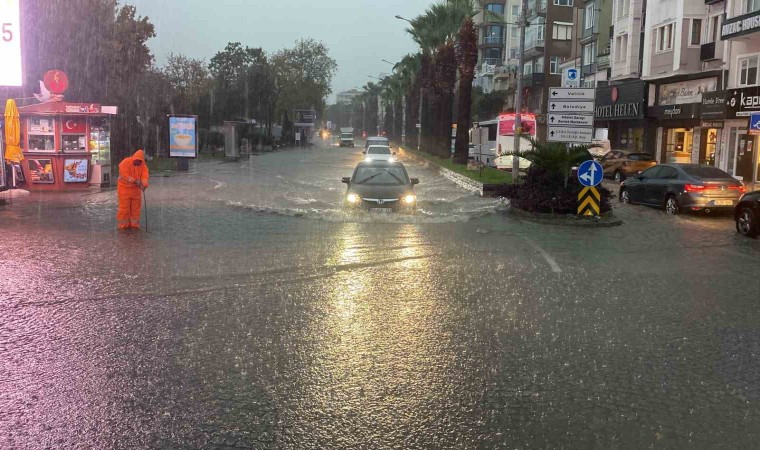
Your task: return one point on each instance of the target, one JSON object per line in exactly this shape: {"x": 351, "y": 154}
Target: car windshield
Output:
{"x": 640, "y": 157}
{"x": 705, "y": 172}
{"x": 390, "y": 175}
{"x": 378, "y": 150}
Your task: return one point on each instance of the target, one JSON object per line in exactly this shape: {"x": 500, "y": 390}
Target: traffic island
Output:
{"x": 605, "y": 220}
{"x": 486, "y": 182}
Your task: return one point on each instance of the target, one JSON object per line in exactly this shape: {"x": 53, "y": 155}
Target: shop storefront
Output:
{"x": 742, "y": 156}
{"x": 677, "y": 110}
{"x": 620, "y": 114}
{"x": 67, "y": 146}
{"x": 713, "y": 115}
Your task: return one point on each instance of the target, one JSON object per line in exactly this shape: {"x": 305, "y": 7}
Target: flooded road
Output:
{"x": 257, "y": 314}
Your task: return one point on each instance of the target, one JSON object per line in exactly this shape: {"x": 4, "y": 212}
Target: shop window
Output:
{"x": 41, "y": 136}
{"x": 74, "y": 142}
{"x": 748, "y": 70}
{"x": 678, "y": 145}
{"x": 696, "y": 32}
{"x": 665, "y": 37}
{"x": 562, "y": 32}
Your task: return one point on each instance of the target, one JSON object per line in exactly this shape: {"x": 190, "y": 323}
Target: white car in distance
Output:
{"x": 379, "y": 153}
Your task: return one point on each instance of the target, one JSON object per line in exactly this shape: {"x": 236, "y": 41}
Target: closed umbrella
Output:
{"x": 13, "y": 152}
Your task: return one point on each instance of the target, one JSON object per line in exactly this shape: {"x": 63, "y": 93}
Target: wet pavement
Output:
{"x": 257, "y": 314}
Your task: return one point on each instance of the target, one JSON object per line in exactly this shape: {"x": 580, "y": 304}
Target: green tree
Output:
{"x": 467, "y": 58}
{"x": 190, "y": 81}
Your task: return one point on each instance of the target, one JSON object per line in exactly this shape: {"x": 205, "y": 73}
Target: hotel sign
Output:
{"x": 623, "y": 101}
{"x": 740, "y": 25}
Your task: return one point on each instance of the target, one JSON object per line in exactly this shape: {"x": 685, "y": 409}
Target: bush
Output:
{"x": 543, "y": 191}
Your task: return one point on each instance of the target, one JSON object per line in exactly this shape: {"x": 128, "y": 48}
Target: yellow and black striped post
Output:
{"x": 588, "y": 202}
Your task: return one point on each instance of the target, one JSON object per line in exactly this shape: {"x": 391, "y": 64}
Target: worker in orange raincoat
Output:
{"x": 133, "y": 179}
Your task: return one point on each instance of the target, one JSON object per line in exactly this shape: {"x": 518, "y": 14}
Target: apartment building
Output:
{"x": 677, "y": 80}
{"x": 494, "y": 31}
{"x": 505, "y": 76}
{"x": 594, "y": 22}
{"x": 549, "y": 41}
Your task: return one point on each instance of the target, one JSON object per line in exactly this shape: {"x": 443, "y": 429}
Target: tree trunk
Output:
{"x": 467, "y": 59}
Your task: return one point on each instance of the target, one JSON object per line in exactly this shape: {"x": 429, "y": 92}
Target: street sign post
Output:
{"x": 590, "y": 173}
{"x": 571, "y": 115}
{"x": 754, "y": 124}
{"x": 571, "y": 77}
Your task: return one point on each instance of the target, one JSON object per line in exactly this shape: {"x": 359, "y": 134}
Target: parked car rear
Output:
{"x": 680, "y": 187}
{"x": 619, "y": 164}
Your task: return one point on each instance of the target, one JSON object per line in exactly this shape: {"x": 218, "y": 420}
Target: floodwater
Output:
{"x": 257, "y": 314}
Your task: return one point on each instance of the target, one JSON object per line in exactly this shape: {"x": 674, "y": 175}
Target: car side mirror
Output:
{"x": 415, "y": 181}
{"x": 364, "y": 152}
{"x": 345, "y": 180}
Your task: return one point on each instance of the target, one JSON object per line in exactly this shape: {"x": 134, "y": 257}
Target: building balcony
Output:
{"x": 491, "y": 62}
{"x": 534, "y": 47}
{"x": 707, "y": 52}
{"x": 534, "y": 79}
{"x": 492, "y": 41}
{"x": 537, "y": 7}
{"x": 589, "y": 33}
{"x": 589, "y": 69}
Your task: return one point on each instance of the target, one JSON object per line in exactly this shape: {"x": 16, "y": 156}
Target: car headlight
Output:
{"x": 391, "y": 159}
{"x": 410, "y": 199}
{"x": 353, "y": 198}
{"x": 368, "y": 159}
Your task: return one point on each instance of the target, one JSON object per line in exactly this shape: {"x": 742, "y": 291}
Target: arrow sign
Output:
{"x": 573, "y": 120}
{"x": 590, "y": 173}
{"x": 572, "y": 107}
{"x": 570, "y": 135}
{"x": 573, "y": 94}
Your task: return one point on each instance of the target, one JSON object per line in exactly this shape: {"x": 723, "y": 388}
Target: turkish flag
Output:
{"x": 74, "y": 125}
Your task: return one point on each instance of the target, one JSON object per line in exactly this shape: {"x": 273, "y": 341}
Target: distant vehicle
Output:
{"x": 381, "y": 186}
{"x": 680, "y": 187}
{"x": 377, "y": 140}
{"x": 346, "y": 137}
{"x": 747, "y": 215}
{"x": 379, "y": 153}
{"x": 619, "y": 164}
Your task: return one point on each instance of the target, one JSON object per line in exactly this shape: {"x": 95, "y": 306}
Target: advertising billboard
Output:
{"x": 41, "y": 171}
{"x": 10, "y": 43}
{"x": 183, "y": 136}
{"x": 305, "y": 118}
{"x": 75, "y": 170}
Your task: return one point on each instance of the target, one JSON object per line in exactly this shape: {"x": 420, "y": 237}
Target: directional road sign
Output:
{"x": 754, "y": 123}
{"x": 570, "y": 135}
{"x": 570, "y": 119}
{"x": 570, "y": 106}
{"x": 588, "y": 94}
{"x": 590, "y": 173}
{"x": 588, "y": 201}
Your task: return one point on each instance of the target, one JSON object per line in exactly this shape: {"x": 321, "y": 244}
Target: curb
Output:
{"x": 567, "y": 220}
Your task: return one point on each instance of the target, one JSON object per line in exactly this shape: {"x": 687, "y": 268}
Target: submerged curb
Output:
{"x": 607, "y": 220}
{"x": 458, "y": 179}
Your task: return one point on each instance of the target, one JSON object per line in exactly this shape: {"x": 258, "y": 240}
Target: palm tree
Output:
{"x": 556, "y": 158}
{"x": 467, "y": 58}
{"x": 408, "y": 70}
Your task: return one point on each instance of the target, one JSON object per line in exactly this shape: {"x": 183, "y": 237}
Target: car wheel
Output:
{"x": 747, "y": 224}
{"x": 619, "y": 176}
{"x": 671, "y": 205}
{"x": 624, "y": 196}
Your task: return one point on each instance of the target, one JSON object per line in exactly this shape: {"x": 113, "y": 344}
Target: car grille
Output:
{"x": 381, "y": 202}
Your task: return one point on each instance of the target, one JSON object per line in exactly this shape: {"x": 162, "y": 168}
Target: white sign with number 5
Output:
{"x": 10, "y": 44}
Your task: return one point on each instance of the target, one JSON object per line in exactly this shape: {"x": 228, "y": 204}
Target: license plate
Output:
{"x": 723, "y": 203}
{"x": 380, "y": 210}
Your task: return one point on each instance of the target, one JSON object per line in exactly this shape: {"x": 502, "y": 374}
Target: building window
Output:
{"x": 589, "y": 16}
{"x": 665, "y": 38}
{"x": 515, "y": 10}
{"x": 566, "y": 2}
{"x": 562, "y": 32}
{"x": 752, "y": 5}
{"x": 714, "y": 31}
{"x": 528, "y": 68}
{"x": 748, "y": 71}
{"x": 589, "y": 54}
{"x": 554, "y": 63}
{"x": 534, "y": 35}
{"x": 495, "y": 8}
{"x": 696, "y": 32}
{"x": 492, "y": 56}
{"x": 621, "y": 47}
{"x": 512, "y": 53}
{"x": 514, "y": 32}
{"x": 493, "y": 34}
{"x": 538, "y": 65}
{"x": 622, "y": 8}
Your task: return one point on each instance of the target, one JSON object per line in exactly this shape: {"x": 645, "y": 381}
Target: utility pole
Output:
{"x": 419, "y": 120}
{"x": 523, "y": 24}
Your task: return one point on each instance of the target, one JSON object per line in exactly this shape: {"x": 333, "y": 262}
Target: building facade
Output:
{"x": 492, "y": 22}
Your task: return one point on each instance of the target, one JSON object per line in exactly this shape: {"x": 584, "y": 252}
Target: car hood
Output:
{"x": 374, "y": 191}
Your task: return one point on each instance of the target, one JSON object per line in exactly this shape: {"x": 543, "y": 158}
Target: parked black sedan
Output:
{"x": 381, "y": 186}
{"x": 747, "y": 215}
{"x": 683, "y": 187}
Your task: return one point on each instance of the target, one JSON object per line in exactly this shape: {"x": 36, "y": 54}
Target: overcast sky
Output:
{"x": 359, "y": 33}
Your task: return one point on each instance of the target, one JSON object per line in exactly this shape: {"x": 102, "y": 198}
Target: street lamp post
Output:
{"x": 422, "y": 96}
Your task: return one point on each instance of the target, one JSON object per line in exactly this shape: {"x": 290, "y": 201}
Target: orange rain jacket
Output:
{"x": 130, "y": 175}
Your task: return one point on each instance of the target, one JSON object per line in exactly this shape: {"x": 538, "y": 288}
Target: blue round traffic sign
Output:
{"x": 590, "y": 173}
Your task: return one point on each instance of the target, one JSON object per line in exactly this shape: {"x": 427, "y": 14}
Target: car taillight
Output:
{"x": 694, "y": 188}
{"x": 741, "y": 189}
